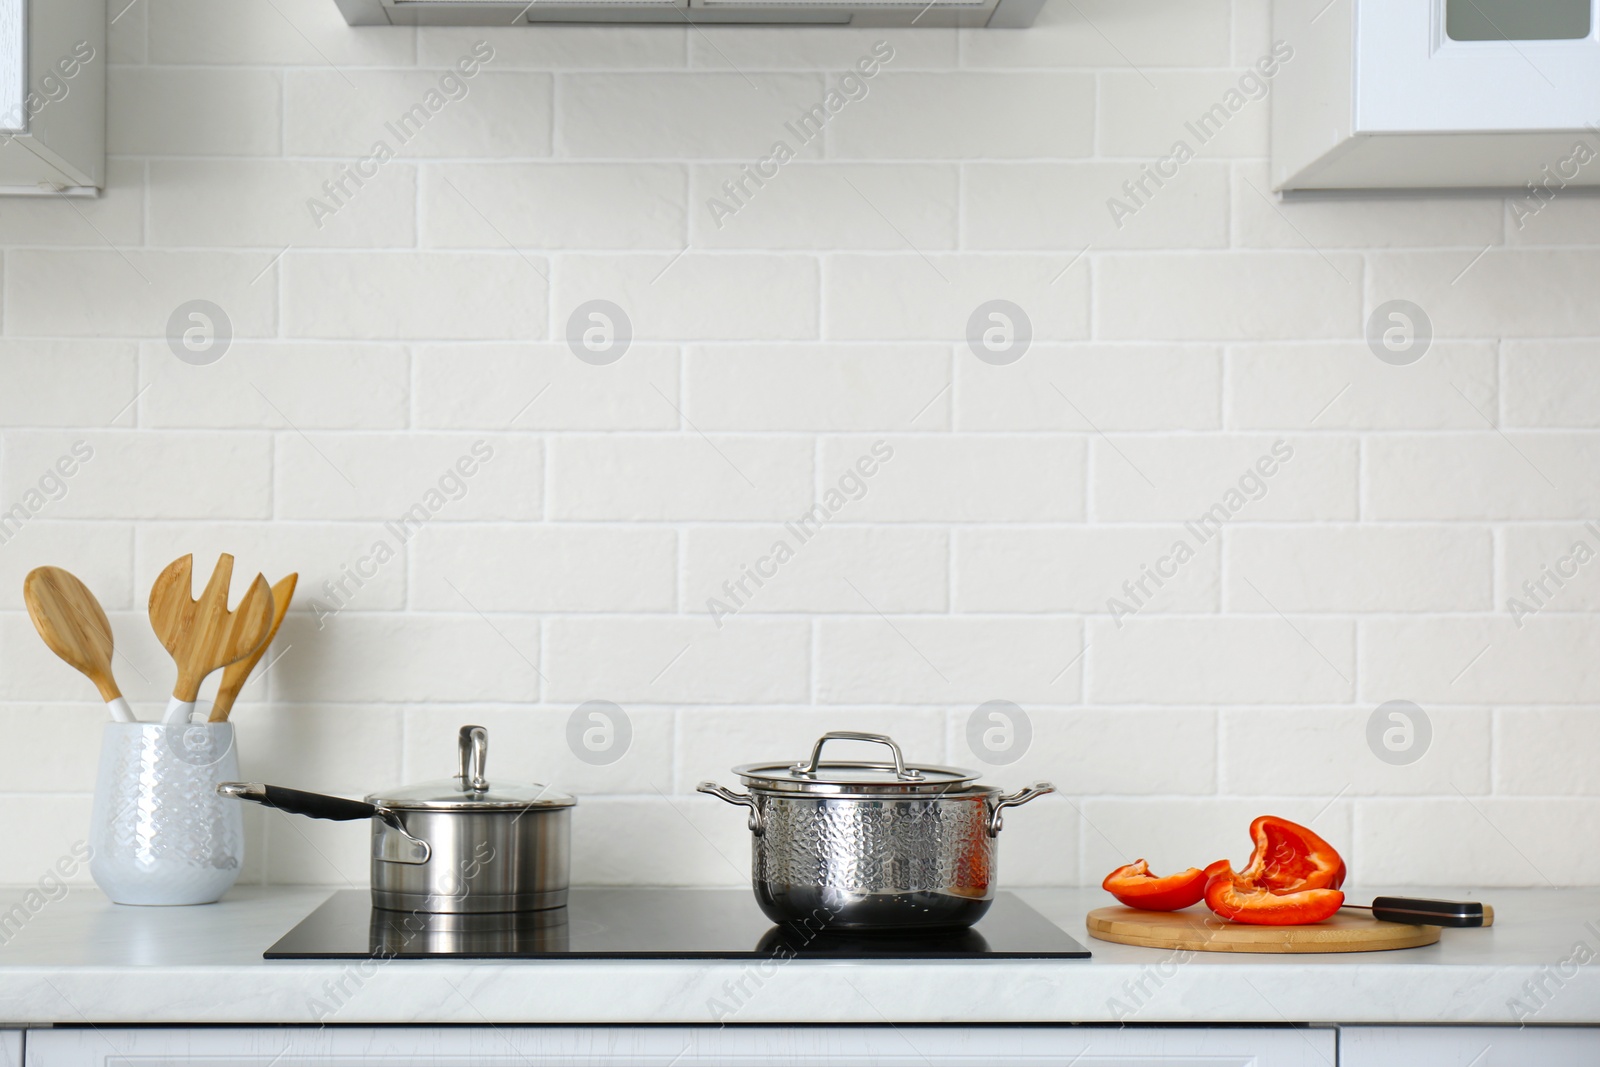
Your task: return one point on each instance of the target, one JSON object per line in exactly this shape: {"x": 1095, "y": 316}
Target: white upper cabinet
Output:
{"x": 1436, "y": 94}
{"x": 13, "y": 65}
{"x": 52, "y": 96}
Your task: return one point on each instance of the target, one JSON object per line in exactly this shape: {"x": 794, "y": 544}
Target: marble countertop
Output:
{"x": 83, "y": 960}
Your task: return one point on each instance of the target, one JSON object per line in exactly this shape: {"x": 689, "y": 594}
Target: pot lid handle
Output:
{"x": 901, "y": 772}
{"x": 474, "y": 746}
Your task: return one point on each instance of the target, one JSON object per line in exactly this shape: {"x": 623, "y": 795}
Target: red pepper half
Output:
{"x": 1288, "y": 858}
{"x": 1136, "y": 887}
{"x": 1239, "y": 898}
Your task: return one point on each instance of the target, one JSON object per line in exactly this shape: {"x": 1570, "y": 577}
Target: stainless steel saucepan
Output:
{"x": 454, "y": 845}
{"x": 871, "y": 846}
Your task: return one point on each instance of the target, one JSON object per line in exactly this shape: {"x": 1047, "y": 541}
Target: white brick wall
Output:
{"x": 772, "y": 348}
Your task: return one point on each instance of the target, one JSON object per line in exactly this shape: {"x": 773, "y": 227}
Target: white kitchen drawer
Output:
{"x": 10, "y": 1048}
{"x": 923, "y": 14}
{"x": 675, "y": 1046}
{"x": 1480, "y": 1046}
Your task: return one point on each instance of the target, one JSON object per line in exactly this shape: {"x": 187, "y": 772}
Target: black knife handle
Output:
{"x": 299, "y": 802}
{"x": 1423, "y": 912}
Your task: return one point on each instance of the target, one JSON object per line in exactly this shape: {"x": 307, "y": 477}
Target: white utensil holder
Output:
{"x": 160, "y": 833}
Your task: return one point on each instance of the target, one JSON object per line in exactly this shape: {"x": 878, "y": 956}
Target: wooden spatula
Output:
{"x": 73, "y": 624}
{"x": 203, "y": 635}
{"x": 234, "y": 677}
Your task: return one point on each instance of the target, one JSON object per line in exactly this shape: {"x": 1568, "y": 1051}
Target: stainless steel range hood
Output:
{"x": 1009, "y": 14}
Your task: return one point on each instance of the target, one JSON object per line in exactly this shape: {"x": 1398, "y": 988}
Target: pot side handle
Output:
{"x": 738, "y": 800}
{"x": 299, "y": 802}
{"x": 1013, "y": 800}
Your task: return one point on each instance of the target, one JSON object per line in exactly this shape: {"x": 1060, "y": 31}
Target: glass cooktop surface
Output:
{"x": 650, "y": 924}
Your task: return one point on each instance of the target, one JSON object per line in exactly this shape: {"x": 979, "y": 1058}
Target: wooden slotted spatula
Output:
{"x": 73, "y": 624}
{"x": 235, "y": 675}
{"x": 203, "y": 635}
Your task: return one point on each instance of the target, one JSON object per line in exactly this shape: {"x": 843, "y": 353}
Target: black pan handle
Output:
{"x": 298, "y": 801}
{"x": 1421, "y": 911}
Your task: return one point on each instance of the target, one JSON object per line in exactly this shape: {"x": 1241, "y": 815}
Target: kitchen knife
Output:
{"x": 1420, "y": 911}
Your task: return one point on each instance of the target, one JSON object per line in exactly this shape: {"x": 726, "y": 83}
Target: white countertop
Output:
{"x": 83, "y": 960}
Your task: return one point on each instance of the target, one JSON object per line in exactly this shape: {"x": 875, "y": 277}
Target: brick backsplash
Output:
{"x": 1198, "y": 533}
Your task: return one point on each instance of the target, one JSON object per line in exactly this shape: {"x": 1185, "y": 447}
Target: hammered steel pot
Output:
{"x": 849, "y": 846}
{"x": 455, "y": 846}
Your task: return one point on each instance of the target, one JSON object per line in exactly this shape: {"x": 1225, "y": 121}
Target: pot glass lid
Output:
{"x": 471, "y": 789}
{"x": 830, "y": 775}
{"x": 446, "y": 794}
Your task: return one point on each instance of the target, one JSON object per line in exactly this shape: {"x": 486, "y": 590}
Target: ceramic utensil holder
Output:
{"x": 160, "y": 833}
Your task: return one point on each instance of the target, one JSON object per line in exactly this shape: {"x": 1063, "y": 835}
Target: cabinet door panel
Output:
{"x": 907, "y": 1046}
{"x": 13, "y": 67}
{"x": 1411, "y": 77}
{"x": 1480, "y": 1046}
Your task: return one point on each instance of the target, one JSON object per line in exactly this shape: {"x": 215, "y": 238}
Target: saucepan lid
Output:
{"x": 820, "y": 776}
{"x": 471, "y": 789}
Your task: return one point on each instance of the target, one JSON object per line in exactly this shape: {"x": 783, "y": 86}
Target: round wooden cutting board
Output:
{"x": 1198, "y": 930}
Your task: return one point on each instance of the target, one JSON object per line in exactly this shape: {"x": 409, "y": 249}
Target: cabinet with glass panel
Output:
{"x": 1489, "y": 94}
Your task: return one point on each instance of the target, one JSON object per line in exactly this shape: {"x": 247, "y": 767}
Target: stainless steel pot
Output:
{"x": 871, "y": 846}
{"x": 457, "y": 845}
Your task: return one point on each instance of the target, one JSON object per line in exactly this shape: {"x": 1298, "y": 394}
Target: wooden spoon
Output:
{"x": 73, "y": 624}
{"x": 203, "y": 635}
{"x": 233, "y": 678}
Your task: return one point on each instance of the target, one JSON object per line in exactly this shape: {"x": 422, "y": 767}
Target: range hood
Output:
{"x": 1009, "y": 14}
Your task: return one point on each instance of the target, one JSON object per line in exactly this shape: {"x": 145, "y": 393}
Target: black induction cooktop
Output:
{"x": 643, "y": 924}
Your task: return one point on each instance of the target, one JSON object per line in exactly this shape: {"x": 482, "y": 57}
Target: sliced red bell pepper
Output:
{"x": 1238, "y": 897}
{"x": 1136, "y": 887}
{"x": 1288, "y": 858}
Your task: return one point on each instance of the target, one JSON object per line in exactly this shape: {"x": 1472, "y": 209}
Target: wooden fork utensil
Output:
{"x": 234, "y": 677}
{"x": 203, "y": 635}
